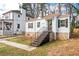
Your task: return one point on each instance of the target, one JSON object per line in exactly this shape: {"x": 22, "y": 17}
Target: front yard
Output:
{"x": 20, "y": 39}
{"x": 40, "y": 51}
{"x": 3, "y": 36}
{"x": 67, "y": 47}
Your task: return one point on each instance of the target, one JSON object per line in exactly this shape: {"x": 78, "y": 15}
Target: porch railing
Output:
{"x": 40, "y": 31}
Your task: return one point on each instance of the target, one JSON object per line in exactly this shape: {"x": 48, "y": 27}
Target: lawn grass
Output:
{"x": 3, "y": 36}
{"x": 20, "y": 39}
{"x": 58, "y": 47}
{"x": 39, "y": 51}
{"x": 69, "y": 48}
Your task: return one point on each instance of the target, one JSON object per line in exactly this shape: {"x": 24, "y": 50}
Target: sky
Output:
{"x": 6, "y": 5}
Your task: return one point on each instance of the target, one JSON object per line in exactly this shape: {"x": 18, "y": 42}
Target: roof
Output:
{"x": 29, "y": 15}
{"x": 16, "y": 11}
{"x": 6, "y": 20}
{"x": 50, "y": 16}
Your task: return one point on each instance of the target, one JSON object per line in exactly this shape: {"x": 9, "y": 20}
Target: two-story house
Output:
{"x": 11, "y": 23}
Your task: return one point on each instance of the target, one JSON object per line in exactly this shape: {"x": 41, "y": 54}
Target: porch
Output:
{"x": 6, "y": 27}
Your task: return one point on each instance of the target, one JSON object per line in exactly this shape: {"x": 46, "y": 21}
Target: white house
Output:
{"x": 12, "y": 23}
{"x": 58, "y": 24}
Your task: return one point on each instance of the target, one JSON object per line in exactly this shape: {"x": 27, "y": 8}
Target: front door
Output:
{"x": 49, "y": 25}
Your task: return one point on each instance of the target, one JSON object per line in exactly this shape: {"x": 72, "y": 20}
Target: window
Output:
{"x": 18, "y": 26}
{"x": 8, "y": 26}
{"x": 63, "y": 23}
{"x": 18, "y": 15}
{"x": 30, "y": 25}
{"x": 38, "y": 24}
{"x": 0, "y": 27}
{"x": 28, "y": 18}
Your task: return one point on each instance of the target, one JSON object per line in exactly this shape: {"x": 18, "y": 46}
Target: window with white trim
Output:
{"x": 30, "y": 25}
{"x": 38, "y": 24}
{"x": 63, "y": 23}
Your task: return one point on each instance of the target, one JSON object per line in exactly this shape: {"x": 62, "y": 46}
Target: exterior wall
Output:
{"x": 62, "y": 32}
{"x": 1, "y": 32}
{"x": 43, "y": 24}
{"x": 23, "y": 20}
{"x": 8, "y": 16}
{"x": 62, "y": 36}
{"x": 16, "y": 20}
{"x": 35, "y": 32}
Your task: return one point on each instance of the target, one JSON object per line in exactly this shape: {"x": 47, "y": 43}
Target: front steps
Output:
{"x": 43, "y": 38}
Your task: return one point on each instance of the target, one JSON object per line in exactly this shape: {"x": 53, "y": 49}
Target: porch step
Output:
{"x": 41, "y": 39}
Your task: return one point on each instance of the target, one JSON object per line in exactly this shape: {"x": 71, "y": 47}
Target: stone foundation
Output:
{"x": 32, "y": 35}
{"x": 62, "y": 36}
{"x": 52, "y": 36}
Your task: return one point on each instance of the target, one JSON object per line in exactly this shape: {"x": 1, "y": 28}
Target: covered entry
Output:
{"x": 6, "y": 27}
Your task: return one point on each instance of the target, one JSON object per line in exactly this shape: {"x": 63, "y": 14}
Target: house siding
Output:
{"x": 36, "y": 32}
{"x": 61, "y": 32}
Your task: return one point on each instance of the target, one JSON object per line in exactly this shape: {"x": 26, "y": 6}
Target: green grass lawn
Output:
{"x": 21, "y": 40}
{"x": 39, "y": 51}
{"x": 3, "y": 36}
{"x": 64, "y": 47}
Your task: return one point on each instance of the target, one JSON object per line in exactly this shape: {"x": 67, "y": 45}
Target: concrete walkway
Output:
{"x": 17, "y": 45}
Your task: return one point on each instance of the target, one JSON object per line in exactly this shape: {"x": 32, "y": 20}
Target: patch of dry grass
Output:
{"x": 58, "y": 47}
{"x": 71, "y": 47}
{"x": 67, "y": 47}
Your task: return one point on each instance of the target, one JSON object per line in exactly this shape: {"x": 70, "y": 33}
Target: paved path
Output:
{"x": 17, "y": 45}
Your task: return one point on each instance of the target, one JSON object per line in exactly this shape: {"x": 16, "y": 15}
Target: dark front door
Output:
{"x": 49, "y": 25}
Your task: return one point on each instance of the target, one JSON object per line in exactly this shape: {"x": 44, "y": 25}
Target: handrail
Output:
{"x": 43, "y": 28}
{"x": 40, "y": 31}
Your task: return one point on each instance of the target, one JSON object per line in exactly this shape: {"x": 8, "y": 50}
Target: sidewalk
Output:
{"x": 17, "y": 45}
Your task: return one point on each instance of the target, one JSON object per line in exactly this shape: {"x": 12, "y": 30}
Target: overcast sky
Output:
{"x": 6, "y": 5}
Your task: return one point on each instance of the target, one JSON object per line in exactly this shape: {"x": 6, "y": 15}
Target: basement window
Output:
{"x": 30, "y": 25}
{"x": 63, "y": 23}
{"x": 38, "y": 24}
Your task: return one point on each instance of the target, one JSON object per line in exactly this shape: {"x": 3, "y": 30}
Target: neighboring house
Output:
{"x": 11, "y": 23}
{"x": 77, "y": 21}
{"x": 58, "y": 24}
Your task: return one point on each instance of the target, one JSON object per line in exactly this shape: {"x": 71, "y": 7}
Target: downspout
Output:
{"x": 13, "y": 23}
{"x": 35, "y": 30}
{"x": 2, "y": 27}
